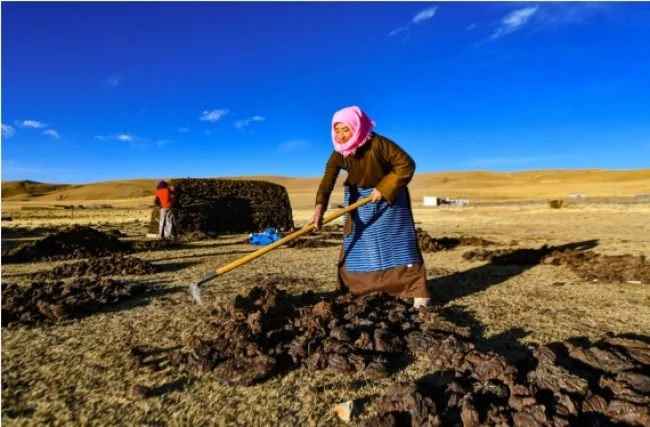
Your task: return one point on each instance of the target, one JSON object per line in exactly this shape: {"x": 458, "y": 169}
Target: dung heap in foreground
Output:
{"x": 78, "y": 353}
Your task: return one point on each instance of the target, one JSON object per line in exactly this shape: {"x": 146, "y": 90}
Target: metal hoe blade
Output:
{"x": 195, "y": 289}
{"x": 196, "y": 292}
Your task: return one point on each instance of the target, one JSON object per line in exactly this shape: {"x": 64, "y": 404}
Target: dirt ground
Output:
{"x": 77, "y": 373}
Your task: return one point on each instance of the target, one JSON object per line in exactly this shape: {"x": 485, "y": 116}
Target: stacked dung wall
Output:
{"x": 226, "y": 206}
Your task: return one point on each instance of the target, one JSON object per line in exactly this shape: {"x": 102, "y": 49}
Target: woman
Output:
{"x": 380, "y": 250}
{"x": 166, "y": 221}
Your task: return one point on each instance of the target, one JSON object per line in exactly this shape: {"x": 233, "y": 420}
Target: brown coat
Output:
{"x": 380, "y": 164}
{"x": 384, "y": 165}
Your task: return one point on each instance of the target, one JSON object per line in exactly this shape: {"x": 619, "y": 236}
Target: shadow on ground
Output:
{"x": 502, "y": 268}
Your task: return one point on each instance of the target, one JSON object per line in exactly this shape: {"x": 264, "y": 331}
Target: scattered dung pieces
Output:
{"x": 56, "y": 301}
{"x": 227, "y": 206}
{"x": 332, "y": 228}
{"x": 270, "y": 331}
{"x": 194, "y": 236}
{"x": 429, "y": 243}
{"x": 114, "y": 232}
{"x": 592, "y": 266}
{"x": 159, "y": 244}
{"x": 302, "y": 243}
{"x": 561, "y": 385}
{"x": 332, "y": 236}
{"x": 588, "y": 264}
{"x": 282, "y": 280}
{"x": 524, "y": 256}
{"x": 69, "y": 243}
{"x": 140, "y": 392}
{"x": 116, "y": 265}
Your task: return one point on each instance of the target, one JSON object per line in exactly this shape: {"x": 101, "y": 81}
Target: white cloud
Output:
{"x": 183, "y": 129}
{"x": 558, "y": 13}
{"x": 421, "y": 16}
{"x": 163, "y": 142}
{"x": 470, "y": 27}
{"x": 514, "y": 21}
{"x": 243, "y": 123}
{"x": 213, "y": 116}
{"x": 397, "y": 31}
{"x": 549, "y": 15}
{"x": 294, "y": 145}
{"x": 52, "y": 133}
{"x": 8, "y": 131}
{"x": 33, "y": 124}
{"x": 208, "y": 132}
{"x": 123, "y": 137}
{"x": 425, "y": 15}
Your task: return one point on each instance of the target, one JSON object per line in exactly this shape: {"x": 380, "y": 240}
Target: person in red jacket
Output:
{"x": 167, "y": 221}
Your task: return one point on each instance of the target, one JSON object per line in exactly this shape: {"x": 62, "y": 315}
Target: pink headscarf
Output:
{"x": 360, "y": 125}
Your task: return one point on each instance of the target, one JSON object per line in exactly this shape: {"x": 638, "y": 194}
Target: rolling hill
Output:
{"x": 478, "y": 185}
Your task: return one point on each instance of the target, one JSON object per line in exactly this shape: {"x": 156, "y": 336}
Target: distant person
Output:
{"x": 167, "y": 221}
{"x": 380, "y": 250}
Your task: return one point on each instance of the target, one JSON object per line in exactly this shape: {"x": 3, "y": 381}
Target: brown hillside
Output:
{"x": 28, "y": 189}
{"x": 478, "y": 185}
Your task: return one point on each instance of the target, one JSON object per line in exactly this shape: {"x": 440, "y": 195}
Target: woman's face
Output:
{"x": 343, "y": 133}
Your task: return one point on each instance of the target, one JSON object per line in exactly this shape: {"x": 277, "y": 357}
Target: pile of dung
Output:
{"x": 115, "y": 265}
{"x": 334, "y": 231}
{"x": 523, "y": 256}
{"x": 332, "y": 228}
{"x": 153, "y": 245}
{"x": 562, "y": 384}
{"x": 303, "y": 243}
{"x": 592, "y": 266}
{"x": 55, "y": 301}
{"x": 587, "y": 264}
{"x": 113, "y": 232}
{"x": 73, "y": 242}
{"x": 227, "y": 206}
{"x": 429, "y": 243}
{"x": 269, "y": 332}
{"x": 194, "y": 236}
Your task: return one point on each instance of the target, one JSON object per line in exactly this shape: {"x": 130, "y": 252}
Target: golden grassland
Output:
{"x": 75, "y": 373}
{"x": 479, "y": 186}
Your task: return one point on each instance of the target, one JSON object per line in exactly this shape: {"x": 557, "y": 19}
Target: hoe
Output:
{"x": 195, "y": 286}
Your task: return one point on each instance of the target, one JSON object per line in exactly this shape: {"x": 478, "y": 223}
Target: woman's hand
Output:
{"x": 377, "y": 196}
{"x": 317, "y": 218}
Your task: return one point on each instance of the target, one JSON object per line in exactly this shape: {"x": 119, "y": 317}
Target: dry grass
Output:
{"x": 76, "y": 373}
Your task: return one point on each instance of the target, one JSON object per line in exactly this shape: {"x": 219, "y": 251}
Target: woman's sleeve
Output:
{"x": 403, "y": 168}
{"x": 332, "y": 170}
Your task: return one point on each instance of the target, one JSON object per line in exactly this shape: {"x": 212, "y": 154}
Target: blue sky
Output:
{"x": 98, "y": 91}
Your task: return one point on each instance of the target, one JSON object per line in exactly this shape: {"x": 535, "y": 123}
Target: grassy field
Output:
{"x": 75, "y": 373}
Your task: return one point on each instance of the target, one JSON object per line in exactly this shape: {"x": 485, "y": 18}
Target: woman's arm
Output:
{"x": 332, "y": 170}
{"x": 403, "y": 169}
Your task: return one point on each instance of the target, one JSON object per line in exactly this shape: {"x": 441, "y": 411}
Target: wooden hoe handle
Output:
{"x": 261, "y": 251}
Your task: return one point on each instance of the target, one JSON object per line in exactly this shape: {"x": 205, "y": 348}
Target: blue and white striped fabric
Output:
{"x": 382, "y": 237}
